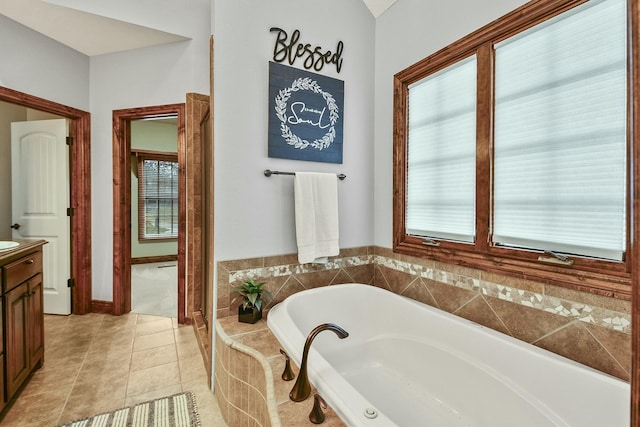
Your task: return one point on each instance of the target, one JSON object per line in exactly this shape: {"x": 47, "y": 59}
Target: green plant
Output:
{"x": 252, "y": 293}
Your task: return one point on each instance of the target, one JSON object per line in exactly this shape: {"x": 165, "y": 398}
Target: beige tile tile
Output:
{"x": 154, "y": 378}
{"x": 59, "y": 378}
{"x": 397, "y": 281}
{"x": 449, "y": 298}
{"x": 188, "y": 349}
{"x": 477, "y": 310}
{"x": 145, "y": 318}
{"x": 110, "y": 349}
{"x": 159, "y": 339}
{"x": 192, "y": 370}
{"x": 232, "y": 327}
{"x": 184, "y": 333}
{"x": 154, "y": 326}
{"x": 296, "y": 414}
{"x": 153, "y": 357}
{"x": 576, "y": 342}
{"x": 526, "y": 323}
{"x": 79, "y": 409}
{"x": 208, "y": 409}
{"x": 49, "y": 407}
{"x": 155, "y": 394}
{"x": 92, "y": 385}
{"x": 617, "y": 344}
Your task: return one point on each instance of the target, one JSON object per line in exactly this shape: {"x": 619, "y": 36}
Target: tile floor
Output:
{"x": 97, "y": 363}
{"x": 154, "y": 289}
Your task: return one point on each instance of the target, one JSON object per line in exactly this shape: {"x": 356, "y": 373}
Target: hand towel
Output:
{"x": 316, "y": 213}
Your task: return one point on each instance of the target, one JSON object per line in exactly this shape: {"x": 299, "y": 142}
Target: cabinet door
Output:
{"x": 35, "y": 322}
{"x": 16, "y": 353}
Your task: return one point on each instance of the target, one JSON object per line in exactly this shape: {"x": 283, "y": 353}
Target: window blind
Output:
{"x": 159, "y": 198}
{"x": 441, "y": 154}
{"x": 560, "y": 134}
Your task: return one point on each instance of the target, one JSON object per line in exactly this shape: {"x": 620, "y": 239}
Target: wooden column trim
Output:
{"x": 635, "y": 212}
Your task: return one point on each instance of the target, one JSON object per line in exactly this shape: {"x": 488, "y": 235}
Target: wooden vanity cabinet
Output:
{"x": 23, "y": 320}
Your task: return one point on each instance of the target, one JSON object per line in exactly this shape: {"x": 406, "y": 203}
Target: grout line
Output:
{"x": 75, "y": 379}
{"x": 133, "y": 342}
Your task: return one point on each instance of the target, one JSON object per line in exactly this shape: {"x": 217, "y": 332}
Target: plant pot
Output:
{"x": 249, "y": 315}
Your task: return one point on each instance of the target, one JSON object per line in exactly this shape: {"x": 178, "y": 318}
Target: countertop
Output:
{"x": 25, "y": 246}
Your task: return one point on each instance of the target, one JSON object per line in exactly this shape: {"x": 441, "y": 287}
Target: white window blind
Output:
{"x": 441, "y": 159}
{"x": 560, "y": 134}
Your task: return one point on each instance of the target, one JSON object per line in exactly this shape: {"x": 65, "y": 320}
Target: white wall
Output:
{"x": 254, "y": 215}
{"x": 407, "y": 32}
{"x": 8, "y": 113}
{"x": 137, "y": 78}
{"x": 37, "y": 65}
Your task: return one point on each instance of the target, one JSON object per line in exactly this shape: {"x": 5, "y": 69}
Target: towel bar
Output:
{"x": 269, "y": 172}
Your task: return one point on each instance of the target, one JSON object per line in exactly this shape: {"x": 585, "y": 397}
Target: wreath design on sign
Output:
{"x": 281, "y": 108}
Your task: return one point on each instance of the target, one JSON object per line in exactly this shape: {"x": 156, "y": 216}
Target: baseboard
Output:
{"x": 102, "y": 307}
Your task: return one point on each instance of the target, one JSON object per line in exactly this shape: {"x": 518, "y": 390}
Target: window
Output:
{"x": 442, "y": 154}
{"x": 512, "y": 144}
{"x": 157, "y": 196}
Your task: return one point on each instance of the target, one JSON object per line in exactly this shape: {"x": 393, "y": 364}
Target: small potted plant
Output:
{"x": 250, "y": 311}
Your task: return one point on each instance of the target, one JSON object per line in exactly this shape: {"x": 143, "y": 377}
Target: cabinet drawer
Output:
{"x": 20, "y": 270}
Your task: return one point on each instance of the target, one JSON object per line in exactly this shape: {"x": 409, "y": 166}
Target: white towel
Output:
{"x": 316, "y": 204}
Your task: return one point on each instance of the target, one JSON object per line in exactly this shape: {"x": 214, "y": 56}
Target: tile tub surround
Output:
{"x": 590, "y": 329}
{"x": 249, "y": 389}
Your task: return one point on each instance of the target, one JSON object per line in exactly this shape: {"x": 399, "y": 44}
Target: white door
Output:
{"x": 40, "y": 198}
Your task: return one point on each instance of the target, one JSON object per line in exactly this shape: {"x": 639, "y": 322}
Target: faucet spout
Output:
{"x": 302, "y": 388}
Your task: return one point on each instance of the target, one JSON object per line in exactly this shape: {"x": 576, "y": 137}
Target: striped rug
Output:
{"x": 178, "y": 410}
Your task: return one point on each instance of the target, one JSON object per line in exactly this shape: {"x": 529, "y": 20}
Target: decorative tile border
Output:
{"x": 584, "y": 312}
{"x": 571, "y": 309}
{"x": 294, "y": 269}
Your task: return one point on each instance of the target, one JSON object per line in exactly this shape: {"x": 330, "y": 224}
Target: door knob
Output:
{"x": 15, "y": 226}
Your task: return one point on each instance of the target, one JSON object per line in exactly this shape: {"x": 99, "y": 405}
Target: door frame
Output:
{"x": 122, "y": 203}
{"x": 80, "y": 183}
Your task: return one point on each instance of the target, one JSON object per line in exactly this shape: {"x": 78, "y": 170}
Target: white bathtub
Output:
{"x": 415, "y": 365}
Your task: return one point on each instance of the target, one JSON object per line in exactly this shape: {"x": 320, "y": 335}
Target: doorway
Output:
{"x": 80, "y": 191}
{"x": 122, "y": 164}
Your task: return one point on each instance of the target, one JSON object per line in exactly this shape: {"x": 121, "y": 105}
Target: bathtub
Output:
{"x": 408, "y": 364}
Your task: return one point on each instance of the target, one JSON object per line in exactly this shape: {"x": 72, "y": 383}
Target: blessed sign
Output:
{"x": 289, "y": 49}
{"x": 305, "y": 115}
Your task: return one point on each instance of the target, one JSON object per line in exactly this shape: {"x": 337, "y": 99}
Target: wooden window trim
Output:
{"x": 595, "y": 276}
{"x": 143, "y": 155}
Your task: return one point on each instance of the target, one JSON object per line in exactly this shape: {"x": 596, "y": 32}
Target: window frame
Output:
{"x": 609, "y": 278}
{"x": 141, "y": 156}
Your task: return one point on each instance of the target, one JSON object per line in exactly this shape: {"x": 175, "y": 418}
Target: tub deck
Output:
{"x": 260, "y": 339}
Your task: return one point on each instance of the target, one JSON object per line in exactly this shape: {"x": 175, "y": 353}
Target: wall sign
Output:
{"x": 305, "y": 115}
{"x": 288, "y": 49}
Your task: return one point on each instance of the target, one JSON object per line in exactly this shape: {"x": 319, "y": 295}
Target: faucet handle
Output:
{"x": 288, "y": 374}
{"x": 316, "y": 415}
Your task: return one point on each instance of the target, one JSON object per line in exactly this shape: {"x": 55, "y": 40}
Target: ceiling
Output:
{"x": 93, "y": 34}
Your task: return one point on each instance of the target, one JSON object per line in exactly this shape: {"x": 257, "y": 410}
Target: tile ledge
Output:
{"x": 272, "y": 406}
